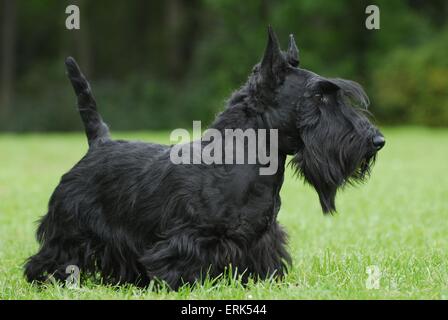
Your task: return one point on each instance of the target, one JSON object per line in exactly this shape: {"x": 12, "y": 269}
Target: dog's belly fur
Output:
{"x": 125, "y": 210}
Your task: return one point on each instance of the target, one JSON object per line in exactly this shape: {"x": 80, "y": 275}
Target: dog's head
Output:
{"x": 322, "y": 121}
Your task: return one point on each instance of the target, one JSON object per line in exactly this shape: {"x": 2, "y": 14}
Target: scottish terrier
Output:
{"x": 126, "y": 212}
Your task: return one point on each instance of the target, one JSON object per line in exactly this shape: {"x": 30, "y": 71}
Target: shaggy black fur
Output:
{"x": 126, "y": 211}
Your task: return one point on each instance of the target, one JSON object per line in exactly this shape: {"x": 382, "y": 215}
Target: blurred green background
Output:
{"x": 157, "y": 65}
{"x": 162, "y": 64}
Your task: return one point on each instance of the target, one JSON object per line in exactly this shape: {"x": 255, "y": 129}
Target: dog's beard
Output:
{"x": 328, "y": 174}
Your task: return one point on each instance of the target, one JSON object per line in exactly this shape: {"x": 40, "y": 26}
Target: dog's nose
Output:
{"x": 378, "y": 142}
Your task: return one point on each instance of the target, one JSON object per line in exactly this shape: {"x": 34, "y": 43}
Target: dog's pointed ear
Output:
{"x": 292, "y": 55}
{"x": 274, "y": 62}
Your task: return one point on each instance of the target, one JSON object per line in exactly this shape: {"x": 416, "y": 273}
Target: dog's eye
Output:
{"x": 319, "y": 96}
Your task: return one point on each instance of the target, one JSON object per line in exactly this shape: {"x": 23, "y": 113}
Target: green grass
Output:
{"x": 398, "y": 221}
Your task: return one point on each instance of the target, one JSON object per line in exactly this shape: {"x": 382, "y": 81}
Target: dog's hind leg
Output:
{"x": 60, "y": 248}
{"x": 50, "y": 261}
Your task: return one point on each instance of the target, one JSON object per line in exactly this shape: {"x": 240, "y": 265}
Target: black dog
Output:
{"x": 127, "y": 211}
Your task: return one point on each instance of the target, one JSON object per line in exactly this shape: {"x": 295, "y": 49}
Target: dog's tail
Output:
{"x": 96, "y": 129}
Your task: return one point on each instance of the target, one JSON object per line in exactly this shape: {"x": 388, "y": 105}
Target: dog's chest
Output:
{"x": 240, "y": 201}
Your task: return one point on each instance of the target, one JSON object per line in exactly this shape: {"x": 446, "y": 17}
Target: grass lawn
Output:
{"x": 398, "y": 222}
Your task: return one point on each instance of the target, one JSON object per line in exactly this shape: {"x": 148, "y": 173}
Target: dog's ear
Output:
{"x": 274, "y": 63}
{"x": 292, "y": 55}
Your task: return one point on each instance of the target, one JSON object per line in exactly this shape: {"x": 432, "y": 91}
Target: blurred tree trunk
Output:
{"x": 81, "y": 38}
{"x": 8, "y": 42}
{"x": 173, "y": 25}
{"x": 182, "y": 26}
{"x": 264, "y": 11}
{"x": 361, "y": 37}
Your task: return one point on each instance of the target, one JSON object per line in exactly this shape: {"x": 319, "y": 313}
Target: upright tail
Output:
{"x": 96, "y": 129}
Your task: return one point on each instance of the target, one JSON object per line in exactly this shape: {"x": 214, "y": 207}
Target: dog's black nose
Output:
{"x": 378, "y": 142}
